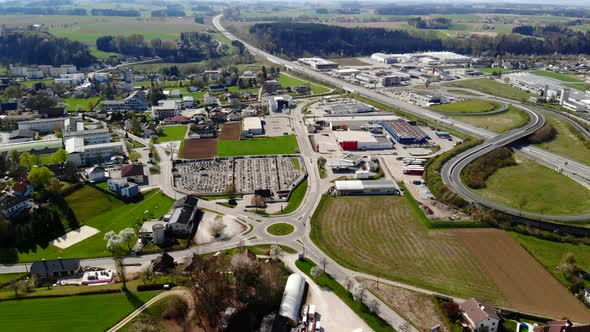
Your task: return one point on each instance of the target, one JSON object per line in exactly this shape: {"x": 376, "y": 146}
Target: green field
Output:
{"x": 73, "y": 103}
{"x": 490, "y": 70}
{"x": 296, "y": 198}
{"x": 568, "y": 142}
{"x": 499, "y": 123}
{"x": 544, "y": 191}
{"x": 549, "y": 253}
{"x": 280, "y": 229}
{"x": 173, "y": 133}
{"x": 258, "y": 146}
{"x": 579, "y": 86}
{"x": 384, "y": 236}
{"x": 291, "y": 81}
{"x": 468, "y": 106}
{"x": 104, "y": 212}
{"x": 557, "y": 76}
{"x": 73, "y": 313}
{"x": 491, "y": 87}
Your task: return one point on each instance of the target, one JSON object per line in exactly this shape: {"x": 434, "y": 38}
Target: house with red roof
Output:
{"x": 133, "y": 173}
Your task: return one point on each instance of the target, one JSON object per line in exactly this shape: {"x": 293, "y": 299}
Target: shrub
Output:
{"x": 150, "y": 287}
{"x": 476, "y": 173}
{"x": 545, "y": 134}
{"x": 176, "y": 309}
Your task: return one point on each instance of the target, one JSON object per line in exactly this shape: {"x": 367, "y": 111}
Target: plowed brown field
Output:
{"x": 199, "y": 148}
{"x": 230, "y": 131}
{"x": 525, "y": 284}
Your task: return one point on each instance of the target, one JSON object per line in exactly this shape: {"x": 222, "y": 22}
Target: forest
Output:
{"x": 192, "y": 47}
{"x": 42, "y": 48}
{"x": 302, "y": 39}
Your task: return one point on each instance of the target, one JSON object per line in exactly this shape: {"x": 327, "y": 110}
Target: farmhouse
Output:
{"x": 367, "y": 187}
{"x": 49, "y": 271}
{"x": 133, "y": 173}
{"x": 479, "y": 316}
{"x": 404, "y": 132}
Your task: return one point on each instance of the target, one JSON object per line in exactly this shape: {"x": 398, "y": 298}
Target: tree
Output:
{"x": 374, "y": 306}
{"x": 275, "y": 252}
{"x": 568, "y": 262}
{"x": 54, "y": 186}
{"x": 217, "y": 227}
{"x": 70, "y": 172}
{"x": 257, "y": 201}
{"x": 17, "y": 286}
{"x": 349, "y": 283}
{"x": 323, "y": 263}
{"x": 127, "y": 235}
{"x": 57, "y": 132}
{"x": 14, "y": 158}
{"x": 451, "y": 310}
{"x": 119, "y": 258}
{"x": 27, "y": 160}
{"x": 40, "y": 176}
{"x": 316, "y": 272}
{"x": 134, "y": 156}
{"x": 358, "y": 292}
{"x": 59, "y": 157}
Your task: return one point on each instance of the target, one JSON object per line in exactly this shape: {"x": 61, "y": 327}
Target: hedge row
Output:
{"x": 151, "y": 287}
{"x": 477, "y": 172}
{"x": 545, "y": 134}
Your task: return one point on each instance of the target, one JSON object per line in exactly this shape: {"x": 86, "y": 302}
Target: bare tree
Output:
{"x": 315, "y": 272}
{"x": 323, "y": 263}
{"x": 17, "y": 286}
{"x": 257, "y": 201}
{"x": 358, "y": 292}
{"x": 119, "y": 258}
{"x": 405, "y": 327}
{"x": 374, "y": 306}
{"x": 275, "y": 252}
{"x": 349, "y": 282}
{"x": 217, "y": 228}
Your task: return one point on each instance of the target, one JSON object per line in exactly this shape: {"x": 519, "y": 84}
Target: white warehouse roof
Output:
{"x": 252, "y": 123}
{"x": 358, "y": 185}
{"x": 292, "y": 297}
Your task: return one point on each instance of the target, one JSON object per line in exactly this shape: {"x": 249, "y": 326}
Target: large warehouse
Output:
{"x": 319, "y": 63}
{"x": 362, "y": 140}
{"x": 367, "y": 187}
{"x": 404, "y": 132}
{"x": 252, "y": 126}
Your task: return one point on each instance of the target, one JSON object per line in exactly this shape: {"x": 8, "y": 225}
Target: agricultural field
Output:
{"x": 291, "y": 81}
{"x": 490, "y": 70}
{"x": 231, "y": 131}
{"x": 104, "y": 212}
{"x": 568, "y": 142}
{"x": 90, "y": 313}
{"x": 258, "y": 146}
{"x": 527, "y": 286}
{"x": 468, "y": 106}
{"x": 199, "y": 148}
{"x": 383, "y": 236}
{"x": 82, "y": 104}
{"x": 545, "y": 190}
{"x": 491, "y": 87}
{"x": 498, "y": 123}
{"x": 173, "y": 133}
{"x": 549, "y": 253}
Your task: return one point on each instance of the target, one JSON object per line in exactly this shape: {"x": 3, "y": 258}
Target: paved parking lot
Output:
{"x": 215, "y": 176}
{"x": 277, "y": 125}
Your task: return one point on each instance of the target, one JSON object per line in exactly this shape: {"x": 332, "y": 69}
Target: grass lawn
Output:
{"x": 7, "y": 277}
{"x": 557, "y": 76}
{"x": 30, "y": 83}
{"x": 237, "y": 89}
{"x": 173, "y": 133}
{"x": 325, "y": 280}
{"x": 491, "y": 87}
{"x": 292, "y": 81}
{"x": 490, "y": 70}
{"x": 73, "y": 313}
{"x": 280, "y": 229}
{"x": 579, "y": 86}
{"x": 73, "y": 103}
{"x": 257, "y": 146}
{"x": 544, "y": 191}
{"x": 468, "y": 106}
{"x": 498, "y": 123}
{"x": 549, "y": 253}
{"x": 104, "y": 212}
{"x": 155, "y": 312}
{"x": 296, "y": 198}
{"x": 568, "y": 142}
{"x": 384, "y": 236}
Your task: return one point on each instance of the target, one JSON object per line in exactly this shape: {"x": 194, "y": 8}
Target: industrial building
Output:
{"x": 362, "y": 140}
{"x": 404, "y": 132}
{"x": 319, "y": 63}
{"x": 424, "y": 98}
{"x": 292, "y": 298}
{"x": 166, "y": 109}
{"x": 367, "y": 187}
{"x": 385, "y": 58}
{"x": 45, "y": 126}
{"x": 342, "y": 107}
{"x": 346, "y": 162}
{"x": 279, "y": 103}
{"x": 252, "y": 126}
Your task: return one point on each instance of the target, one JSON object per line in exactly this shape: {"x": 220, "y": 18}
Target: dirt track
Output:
{"x": 525, "y": 284}
{"x": 199, "y": 148}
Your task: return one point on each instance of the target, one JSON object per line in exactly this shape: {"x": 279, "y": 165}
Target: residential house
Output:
{"x": 562, "y": 326}
{"x": 96, "y": 174}
{"x": 133, "y": 173}
{"x": 188, "y": 101}
{"x": 52, "y": 113}
{"x": 185, "y": 215}
{"x": 123, "y": 187}
{"x": 211, "y": 75}
{"x": 12, "y": 206}
{"x": 134, "y": 102}
{"x": 22, "y": 189}
{"x": 203, "y": 130}
{"x": 480, "y": 316}
{"x": 272, "y": 86}
{"x": 49, "y": 271}
{"x": 163, "y": 263}
{"x": 234, "y": 116}
{"x": 209, "y": 99}
{"x": 166, "y": 109}
{"x": 216, "y": 88}
{"x": 193, "y": 89}
{"x": 178, "y": 119}
{"x": 22, "y": 135}
{"x": 174, "y": 93}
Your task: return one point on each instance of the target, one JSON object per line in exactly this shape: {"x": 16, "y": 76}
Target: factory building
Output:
{"x": 367, "y": 187}
{"x": 81, "y": 154}
{"x": 319, "y": 63}
{"x": 424, "y": 98}
{"x": 252, "y": 126}
{"x": 362, "y": 140}
{"x": 346, "y": 107}
{"x": 404, "y": 132}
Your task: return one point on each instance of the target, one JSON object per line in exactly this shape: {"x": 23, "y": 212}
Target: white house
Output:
{"x": 480, "y": 316}
{"x": 96, "y": 174}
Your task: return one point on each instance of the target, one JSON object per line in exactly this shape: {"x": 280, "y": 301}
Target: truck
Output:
{"x": 407, "y": 161}
{"x": 413, "y": 170}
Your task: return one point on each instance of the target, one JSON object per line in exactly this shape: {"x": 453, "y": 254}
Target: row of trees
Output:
{"x": 42, "y": 48}
{"x": 189, "y": 49}
{"x": 302, "y": 39}
{"x": 476, "y": 173}
{"x": 433, "y": 23}
{"x": 505, "y": 8}
{"x": 37, "y": 228}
